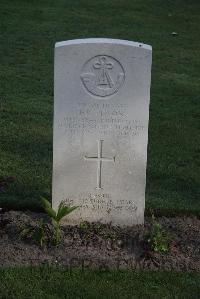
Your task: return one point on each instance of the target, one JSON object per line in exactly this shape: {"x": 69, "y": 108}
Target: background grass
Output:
{"x": 45, "y": 282}
{"x": 29, "y": 30}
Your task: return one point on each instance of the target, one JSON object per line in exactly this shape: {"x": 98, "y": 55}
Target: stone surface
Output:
{"x": 101, "y": 112}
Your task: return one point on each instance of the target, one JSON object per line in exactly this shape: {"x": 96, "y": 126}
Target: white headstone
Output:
{"x": 101, "y": 112}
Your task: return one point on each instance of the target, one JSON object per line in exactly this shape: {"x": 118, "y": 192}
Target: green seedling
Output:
{"x": 56, "y": 217}
{"x": 84, "y": 225}
{"x": 40, "y": 234}
{"x": 36, "y": 233}
{"x": 157, "y": 237}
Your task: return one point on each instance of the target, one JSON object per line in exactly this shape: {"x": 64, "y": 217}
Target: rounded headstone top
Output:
{"x": 103, "y": 41}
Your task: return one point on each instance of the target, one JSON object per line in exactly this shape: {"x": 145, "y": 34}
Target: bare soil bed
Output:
{"x": 102, "y": 246}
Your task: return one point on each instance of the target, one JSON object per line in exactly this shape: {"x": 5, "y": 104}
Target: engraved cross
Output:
{"x": 99, "y": 159}
{"x": 103, "y": 65}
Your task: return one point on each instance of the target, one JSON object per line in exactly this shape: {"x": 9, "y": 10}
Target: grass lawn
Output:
{"x": 28, "y": 32}
{"x": 52, "y": 283}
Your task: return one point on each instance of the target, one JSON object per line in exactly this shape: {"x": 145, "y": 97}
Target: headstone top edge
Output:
{"x": 102, "y": 41}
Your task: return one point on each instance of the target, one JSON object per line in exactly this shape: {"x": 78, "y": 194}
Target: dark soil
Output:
{"x": 97, "y": 245}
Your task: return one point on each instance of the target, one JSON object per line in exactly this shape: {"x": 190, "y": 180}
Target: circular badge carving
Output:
{"x": 102, "y": 75}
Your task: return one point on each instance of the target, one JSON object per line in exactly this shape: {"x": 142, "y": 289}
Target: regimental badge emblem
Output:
{"x": 102, "y": 75}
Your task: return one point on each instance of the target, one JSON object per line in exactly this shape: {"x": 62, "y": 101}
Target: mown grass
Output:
{"x": 52, "y": 283}
{"x": 28, "y": 32}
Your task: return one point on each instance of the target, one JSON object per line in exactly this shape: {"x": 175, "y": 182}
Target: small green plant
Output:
{"x": 157, "y": 237}
{"x": 56, "y": 217}
{"x": 37, "y": 233}
{"x": 40, "y": 234}
{"x": 84, "y": 225}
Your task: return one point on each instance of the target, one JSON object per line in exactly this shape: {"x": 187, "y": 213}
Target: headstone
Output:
{"x": 101, "y": 112}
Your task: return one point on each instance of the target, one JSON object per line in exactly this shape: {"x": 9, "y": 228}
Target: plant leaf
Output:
{"x": 48, "y": 209}
{"x": 64, "y": 210}
{"x": 26, "y": 232}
